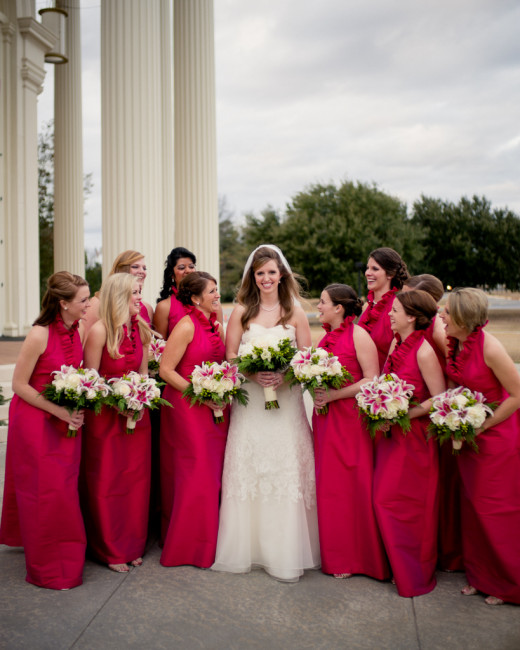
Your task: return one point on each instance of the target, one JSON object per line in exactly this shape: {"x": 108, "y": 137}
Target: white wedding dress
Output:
{"x": 268, "y": 508}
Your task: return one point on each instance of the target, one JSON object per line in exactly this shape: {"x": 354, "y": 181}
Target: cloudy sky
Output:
{"x": 418, "y": 97}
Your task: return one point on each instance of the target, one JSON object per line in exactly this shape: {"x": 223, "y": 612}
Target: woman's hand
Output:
{"x": 214, "y": 406}
{"x": 74, "y": 420}
{"x": 131, "y": 414}
{"x": 323, "y": 396}
{"x": 265, "y": 379}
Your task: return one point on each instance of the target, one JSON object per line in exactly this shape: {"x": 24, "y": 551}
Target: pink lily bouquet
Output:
{"x": 217, "y": 382}
{"x": 317, "y": 368}
{"x": 265, "y": 353}
{"x": 76, "y": 389}
{"x": 132, "y": 393}
{"x": 457, "y": 414}
{"x": 155, "y": 350}
{"x": 385, "y": 401}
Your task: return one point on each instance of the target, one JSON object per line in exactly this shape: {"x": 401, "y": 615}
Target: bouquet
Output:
{"x": 218, "y": 382}
{"x": 383, "y": 401}
{"x": 155, "y": 351}
{"x": 317, "y": 368}
{"x": 265, "y": 353}
{"x": 132, "y": 393}
{"x": 76, "y": 389}
{"x": 458, "y": 414}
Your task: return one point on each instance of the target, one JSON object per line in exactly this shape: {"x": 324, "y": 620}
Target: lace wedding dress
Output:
{"x": 268, "y": 509}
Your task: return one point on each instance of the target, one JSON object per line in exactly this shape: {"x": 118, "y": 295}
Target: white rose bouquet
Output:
{"x": 76, "y": 389}
{"x": 383, "y": 401}
{"x": 155, "y": 350}
{"x": 217, "y": 382}
{"x": 457, "y": 414}
{"x": 132, "y": 393}
{"x": 317, "y": 368}
{"x": 265, "y": 353}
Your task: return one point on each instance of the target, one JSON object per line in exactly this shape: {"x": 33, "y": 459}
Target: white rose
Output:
{"x": 475, "y": 416}
{"x": 121, "y": 388}
{"x": 460, "y": 400}
{"x": 452, "y": 421}
{"x": 60, "y": 384}
{"x": 74, "y": 380}
{"x": 91, "y": 394}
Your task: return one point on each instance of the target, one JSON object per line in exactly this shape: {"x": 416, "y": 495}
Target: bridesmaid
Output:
{"x": 385, "y": 275}
{"x": 490, "y": 492}
{"x": 406, "y": 472}
{"x": 41, "y": 510}
{"x": 344, "y": 453}
{"x": 116, "y": 465}
{"x": 192, "y": 443}
{"x": 169, "y": 311}
{"x": 131, "y": 262}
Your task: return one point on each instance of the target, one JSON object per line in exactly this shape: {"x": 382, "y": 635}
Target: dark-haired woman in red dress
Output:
{"x": 41, "y": 509}
{"x": 350, "y": 541}
{"x": 490, "y": 492}
{"x": 406, "y": 473}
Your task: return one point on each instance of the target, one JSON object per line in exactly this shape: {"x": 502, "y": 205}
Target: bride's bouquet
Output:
{"x": 155, "y": 350}
{"x": 76, "y": 389}
{"x": 317, "y": 368}
{"x": 385, "y": 401}
{"x": 217, "y": 382}
{"x": 132, "y": 393}
{"x": 457, "y": 414}
{"x": 265, "y": 353}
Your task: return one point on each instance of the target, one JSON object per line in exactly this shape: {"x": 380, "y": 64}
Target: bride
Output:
{"x": 268, "y": 510}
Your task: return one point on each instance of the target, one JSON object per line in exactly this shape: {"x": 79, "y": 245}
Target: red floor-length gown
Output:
{"x": 192, "y": 457}
{"x": 177, "y": 311}
{"x": 490, "y": 483}
{"x": 41, "y": 510}
{"x": 376, "y": 321}
{"x": 406, "y": 483}
{"x": 116, "y": 469}
{"x": 350, "y": 541}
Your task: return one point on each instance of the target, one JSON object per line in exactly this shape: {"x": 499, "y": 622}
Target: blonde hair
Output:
{"x": 124, "y": 261}
{"x": 468, "y": 308}
{"x": 114, "y": 311}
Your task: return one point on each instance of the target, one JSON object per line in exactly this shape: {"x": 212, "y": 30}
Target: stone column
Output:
{"x": 196, "y": 199}
{"x": 135, "y": 145}
{"x": 69, "y": 248}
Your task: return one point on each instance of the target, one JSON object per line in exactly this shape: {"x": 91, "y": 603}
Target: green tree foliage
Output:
{"x": 232, "y": 253}
{"x": 266, "y": 229}
{"x": 469, "y": 243}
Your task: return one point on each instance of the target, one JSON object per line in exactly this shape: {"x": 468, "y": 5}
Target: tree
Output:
{"x": 232, "y": 252}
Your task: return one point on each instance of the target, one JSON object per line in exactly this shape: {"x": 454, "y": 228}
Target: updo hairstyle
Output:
{"x": 419, "y": 304}
{"x": 168, "y": 277}
{"x": 193, "y": 284}
{"x": 390, "y": 261}
{"x": 346, "y": 297}
{"x": 468, "y": 308}
{"x": 124, "y": 261}
{"x": 60, "y": 286}
{"x": 428, "y": 283}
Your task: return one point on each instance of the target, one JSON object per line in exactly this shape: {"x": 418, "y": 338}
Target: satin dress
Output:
{"x": 406, "y": 485}
{"x": 116, "y": 469}
{"x": 376, "y": 321}
{"x": 192, "y": 456}
{"x": 177, "y": 311}
{"x": 350, "y": 541}
{"x": 490, "y": 483}
{"x": 41, "y": 509}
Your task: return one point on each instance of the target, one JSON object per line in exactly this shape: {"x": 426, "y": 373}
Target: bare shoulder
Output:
{"x": 425, "y": 352}
{"x": 36, "y": 339}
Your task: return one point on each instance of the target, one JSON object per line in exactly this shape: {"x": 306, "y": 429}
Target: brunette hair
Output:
{"x": 193, "y": 284}
{"x": 124, "y": 261}
{"x": 60, "y": 286}
{"x": 114, "y": 311}
{"x": 346, "y": 297}
{"x": 249, "y": 294}
{"x": 168, "y": 277}
{"x": 419, "y": 304}
{"x": 428, "y": 283}
{"x": 468, "y": 307}
{"x": 391, "y": 262}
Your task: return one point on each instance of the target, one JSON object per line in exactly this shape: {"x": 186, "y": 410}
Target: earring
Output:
{"x": 197, "y": 303}
{"x": 65, "y": 308}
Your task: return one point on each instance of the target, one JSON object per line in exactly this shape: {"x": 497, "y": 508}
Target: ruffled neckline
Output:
{"x": 402, "y": 349}
{"x": 376, "y": 309}
{"x": 67, "y": 338}
{"x": 332, "y": 335}
{"x": 457, "y": 358}
{"x": 207, "y": 324}
{"x": 129, "y": 342}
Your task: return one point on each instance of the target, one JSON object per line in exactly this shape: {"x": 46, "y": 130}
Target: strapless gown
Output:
{"x": 268, "y": 511}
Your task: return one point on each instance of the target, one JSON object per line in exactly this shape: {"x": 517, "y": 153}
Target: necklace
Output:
{"x": 269, "y": 308}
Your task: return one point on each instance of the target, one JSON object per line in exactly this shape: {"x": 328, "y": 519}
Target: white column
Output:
{"x": 196, "y": 199}
{"x": 69, "y": 248}
{"x": 134, "y": 141}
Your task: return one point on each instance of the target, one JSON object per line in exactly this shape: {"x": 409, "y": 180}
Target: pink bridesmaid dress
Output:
{"x": 192, "y": 457}
{"x": 41, "y": 509}
{"x": 376, "y": 321}
{"x": 350, "y": 541}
